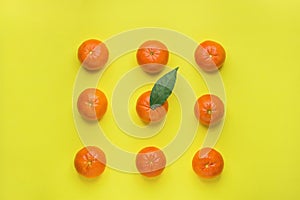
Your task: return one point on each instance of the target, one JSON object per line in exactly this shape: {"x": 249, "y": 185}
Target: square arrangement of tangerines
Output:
{"x": 151, "y": 106}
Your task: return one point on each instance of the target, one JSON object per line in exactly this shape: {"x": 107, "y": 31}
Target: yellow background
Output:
{"x": 38, "y": 66}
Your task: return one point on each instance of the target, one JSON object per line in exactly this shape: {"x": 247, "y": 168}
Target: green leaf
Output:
{"x": 162, "y": 89}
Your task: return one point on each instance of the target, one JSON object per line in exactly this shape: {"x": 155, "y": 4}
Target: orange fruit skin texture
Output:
{"x": 90, "y": 162}
{"x": 152, "y": 56}
{"x": 147, "y": 114}
{"x": 210, "y": 56}
{"x": 92, "y": 104}
{"x": 209, "y": 109}
{"x": 93, "y": 54}
{"x": 208, "y": 163}
{"x": 150, "y": 161}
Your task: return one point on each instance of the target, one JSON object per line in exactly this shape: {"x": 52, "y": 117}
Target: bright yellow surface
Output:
{"x": 38, "y": 65}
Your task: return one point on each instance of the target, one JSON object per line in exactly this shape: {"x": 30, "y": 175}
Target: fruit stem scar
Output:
{"x": 153, "y": 107}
